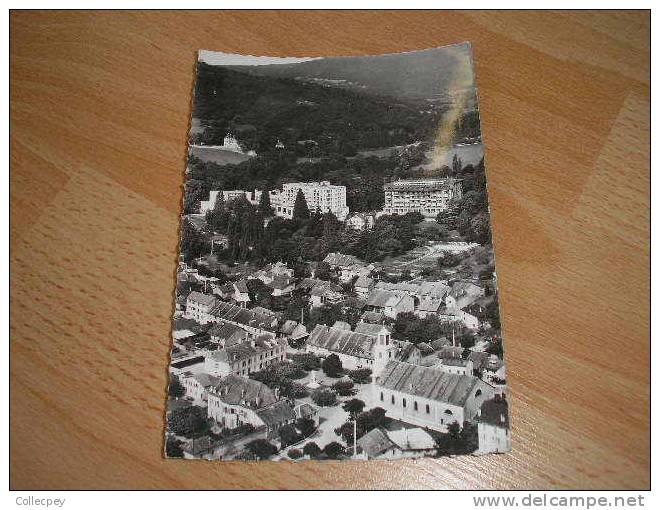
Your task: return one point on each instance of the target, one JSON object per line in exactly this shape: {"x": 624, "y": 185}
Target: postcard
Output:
{"x": 336, "y": 292}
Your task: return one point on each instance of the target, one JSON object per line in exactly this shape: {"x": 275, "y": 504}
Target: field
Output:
{"x": 219, "y": 156}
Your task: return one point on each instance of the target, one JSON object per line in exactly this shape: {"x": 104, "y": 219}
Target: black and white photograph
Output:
{"x": 336, "y": 291}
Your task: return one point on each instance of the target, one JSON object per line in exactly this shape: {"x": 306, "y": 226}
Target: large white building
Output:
{"x": 426, "y": 196}
{"x": 428, "y": 397}
{"x": 321, "y": 196}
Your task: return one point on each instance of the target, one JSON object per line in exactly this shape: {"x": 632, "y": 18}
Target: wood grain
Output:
{"x": 100, "y": 105}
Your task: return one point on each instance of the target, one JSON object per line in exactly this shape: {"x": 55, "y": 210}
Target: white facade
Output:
{"x": 426, "y": 196}
{"x": 321, "y": 196}
{"x": 199, "y": 306}
{"x": 395, "y": 392}
{"x": 493, "y": 438}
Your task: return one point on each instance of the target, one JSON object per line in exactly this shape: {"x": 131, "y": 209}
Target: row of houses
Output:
{"x": 233, "y": 401}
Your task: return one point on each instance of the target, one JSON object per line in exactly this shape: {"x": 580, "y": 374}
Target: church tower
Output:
{"x": 384, "y": 350}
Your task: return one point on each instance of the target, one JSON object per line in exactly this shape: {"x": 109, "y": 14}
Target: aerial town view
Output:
{"x": 336, "y": 293}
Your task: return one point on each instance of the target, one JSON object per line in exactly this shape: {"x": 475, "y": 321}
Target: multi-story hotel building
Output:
{"x": 426, "y": 196}
{"x": 321, "y": 196}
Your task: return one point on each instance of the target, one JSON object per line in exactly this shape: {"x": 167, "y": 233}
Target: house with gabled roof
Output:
{"x": 236, "y": 401}
{"x": 241, "y": 294}
{"x": 390, "y": 303}
{"x": 347, "y": 266}
{"x": 282, "y": 285}
{"x": 196, "y": 386}
{"x": 199, "y": 306}
{"x": 427, "y": 397}
{"x": 354, "y": 349}
{"x": 462, "y": 294}
{"x": 363, "y": 286}
{"x": 256, "y": 321}
{"x": 395, "y": 444}
{"x": 245, "y": 358}
{"x": 227, "y": 335}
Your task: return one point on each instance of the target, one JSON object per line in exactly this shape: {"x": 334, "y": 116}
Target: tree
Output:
{"x": 353, "y": 407}
{"x": 346, "y": 431}
{"x": 360, "y": 375}
{"x": 466, "y": 340}
{"x": 344, "y": 388}
{"x": 175, "y": 388}
{"x": 264, "y": 205}
{"x": 323, "y": 271}
{"x": 332, "y": 366}
{"x": 312, "y": 449}
{"x": 324, "y": 397}
{"x": 295, "y": 454}
{"x": 300, "y": 209}
{"x": 371, "y": 419}
{"x": 333, "y": 450}
{"x": 188, "y": 421}
{"x": 193, "y": 242}
{"x": 261, "y": 448}
{"x": 173, "y": 448}
{"x": 306, "y": 360}
{"x": 288, "y": 435}
{"x": 456, "y": 440}
{"x": 306, "y": 426}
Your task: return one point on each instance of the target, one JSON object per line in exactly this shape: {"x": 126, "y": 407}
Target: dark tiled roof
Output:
{"x": 339, "y": 340}
{"x": 206, "y": 380}
{"x": 245, "y": 350}
{"x": 276, "y": 414}
{"x": 375, "y": 443}
{"x": 237, "y": 390}
{"x": 203, "y": 299}
{"x": 382, "y": 298}
{"x": 256, "y": 318}
{"x": 430, "y": 383}
{"x": 373, "y": 317}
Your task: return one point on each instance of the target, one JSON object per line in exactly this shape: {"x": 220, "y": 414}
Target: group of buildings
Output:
{"x": 320, "y": 196}
{"x": 426, "y": 196}
{"x": 428, "y": 386}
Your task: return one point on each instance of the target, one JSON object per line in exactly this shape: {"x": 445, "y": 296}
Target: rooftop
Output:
{"x": 420, "y": 185}
{"x": 202, "y": 299}
{"x": 375, "y": 443}
{"x": 340, "y": 340}
{"x": 237, "y": 390}
{"x": 430, "y": 383}
{"x": 276, "y": 414}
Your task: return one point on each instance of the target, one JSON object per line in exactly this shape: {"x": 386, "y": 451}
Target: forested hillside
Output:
{"x": 265, "y": 109}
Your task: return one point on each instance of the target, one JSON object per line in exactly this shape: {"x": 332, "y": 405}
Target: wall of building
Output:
{"x": 437, "y": 417}
{"x": 493, "y": 439}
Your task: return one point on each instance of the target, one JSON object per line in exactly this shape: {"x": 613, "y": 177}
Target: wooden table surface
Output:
{"x": 100, "y": 105}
